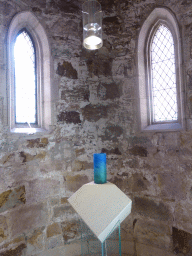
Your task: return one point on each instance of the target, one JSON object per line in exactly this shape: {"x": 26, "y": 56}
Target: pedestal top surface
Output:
{"x": 100, "y": 206}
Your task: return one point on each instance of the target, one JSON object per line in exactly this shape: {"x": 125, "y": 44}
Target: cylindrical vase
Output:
{"x": 100, "y": 169}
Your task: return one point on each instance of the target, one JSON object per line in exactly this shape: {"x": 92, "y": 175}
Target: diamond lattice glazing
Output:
{"x": 163, "y": 77}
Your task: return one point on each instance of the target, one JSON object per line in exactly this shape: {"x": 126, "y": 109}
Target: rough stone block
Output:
{"x": 79, "y": 152}
{"x": 182, "y": 242}
{"x": 64, "y": 210}
{"x": 66, "y": 69}
{"x": 183, "y": 213}
{"x": 151, "y": 209}
{"x": 35, "y": 241}
{"x": 112, "y": 132}
{"x": 75, "y": 95}
{"x": 36, "y": 10}
{"x": 127, "y": 229}
{"x": 17, "y": 251}
{"x": 78, "y": 165}
{"x": 172, "y": 186}
{"x": 93, "y": 113}
{"x": 64, "y": 200}
{"x": 132, "y": 163}
{"x": 38, "y": 143}
{"x": 99, "y": 67}
{"x": 72, "y": 249}
{"x": 69, "y": 117}
{"x": 139, "y": 140}
{"x": 73, "y": 183}
{"x": 153, "y": 234}
{"x": 6, "y": 8}
{"x": 54, "y": 242}
{"x": 122, "y": 183}
{"x": 70, "y": 229}
{"x": 145, "y": 250}
{"x": 12, "y": 198}
{"x": 39, "y": 190}
{"x": 112, "y": 25}
{"x": 53, "y": 230}
{"x": 140, "y": 183}
{"x": 108, "y": 91}
{"x": 69, "y": 25}
{"x": 138, "y": 151}
{"x": 128, "y": 248}
{"x": 28, "y": 217}
{"x": 26, "y": 157}
{"x": 7, "y": 159}
{"x": 13, "y": 243}
{"x": 54, "y": 201}
{"x": 114, "y": 151}
{"x": 3, "y": 229}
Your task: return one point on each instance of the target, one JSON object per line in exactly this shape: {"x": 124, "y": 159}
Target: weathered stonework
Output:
{"x": 67, "y": 70}
{"x": 93, "y": 113}
{"x": 181, "y": 241}
{"x": 150, "y": 209}
{"x": 63, "y": 211}
{"x": 108, "y": 91}
{"x": 38, "y": 190}
{"x": 3, "y": 229}
{"x": 18, "y": 251}
{"x": 38, "y": 143}
{"x": 32, "y": 216}
{"x": 94, "y": 101}
{"x": 153, "y": 234}
{"x": 35, "y": 241}
{"x": 112, "y": 132}
{"x": 69, "y": 117}
{"x": 70, "y": 230}
{"x": 138, "y": 151}
{"x": 75, "y": 95}
{"x": 81, "y": 165}
{"x": 99, "y": 67}
{"x": 73, "y": 183}
{"x": 12, "y": 198}
{"x": 53, "y": 230}
{"x": 114, "y": 151}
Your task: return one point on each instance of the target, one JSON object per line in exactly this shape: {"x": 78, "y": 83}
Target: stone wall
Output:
{"x": 95, "y": 111}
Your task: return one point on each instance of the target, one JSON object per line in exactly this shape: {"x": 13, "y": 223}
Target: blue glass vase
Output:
{"x": 100, "y": 170}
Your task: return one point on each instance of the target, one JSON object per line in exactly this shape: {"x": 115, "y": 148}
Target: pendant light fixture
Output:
{"x": 92, "y": 25}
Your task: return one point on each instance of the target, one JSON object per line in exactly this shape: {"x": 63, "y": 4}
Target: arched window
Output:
{"x": 163, "y": 76}
{"x": 159, "y": 73}
{"x": 25, "y": 79}
{"x": 29, "y": 81}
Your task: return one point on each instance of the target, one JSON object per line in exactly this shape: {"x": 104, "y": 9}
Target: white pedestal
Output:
{"x": 101, "y": 206}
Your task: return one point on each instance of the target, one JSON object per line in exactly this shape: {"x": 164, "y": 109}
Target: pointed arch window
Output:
{"x": 25, "y": 79}
{"x": 163, "y": 76}
{"x": 29, "y": 75}
{"x": 161, "y": 94}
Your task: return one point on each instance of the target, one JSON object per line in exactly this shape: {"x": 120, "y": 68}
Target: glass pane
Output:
{"x": 25, "y": 79}
{"x": 163, "y": 77}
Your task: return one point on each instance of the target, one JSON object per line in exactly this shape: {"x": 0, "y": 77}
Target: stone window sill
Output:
{"x": 163, "y": 127}
{"x": 29, "y": 130}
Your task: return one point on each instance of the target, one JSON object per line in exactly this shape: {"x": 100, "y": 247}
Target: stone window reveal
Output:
{"x": 160, "y": 83}
{"x": 25, "y": 79}
{"x": 29, "y": 75}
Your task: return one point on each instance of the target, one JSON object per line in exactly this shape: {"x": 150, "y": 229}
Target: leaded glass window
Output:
{"x": 25, "y": 79}
{"x": 163, "y": 76}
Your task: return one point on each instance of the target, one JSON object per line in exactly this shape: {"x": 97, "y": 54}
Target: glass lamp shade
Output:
{"x": 92, "y": 25}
